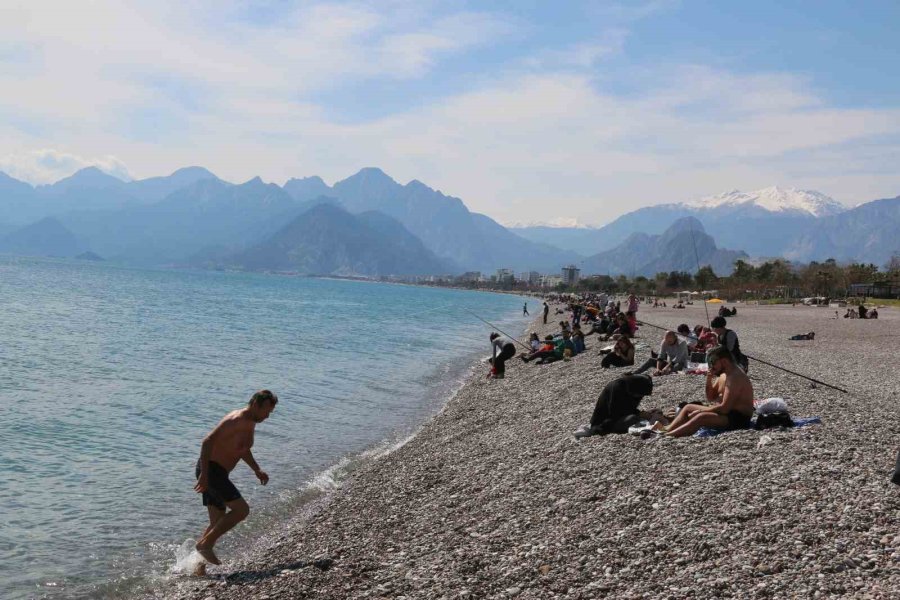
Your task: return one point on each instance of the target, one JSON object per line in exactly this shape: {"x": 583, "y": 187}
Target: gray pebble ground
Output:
{"x": 495, "y": 498}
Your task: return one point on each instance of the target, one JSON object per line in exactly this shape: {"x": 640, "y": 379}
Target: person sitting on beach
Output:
{"x": 706, "y": 338}
{"x": 631, "y": 317}
{"x": 227, "y": 444}
{"x": 684, "y": 332}
{"x": 502, "y": 349}
{"x": 535, "y": 342}
{"x": 724, "y": 312}
{"x": 803, "y": 336}
{"x": 862, "y": 311}
{"x": 617, "y": 407}
{"x": 872, "y": 314}
{"x": 732, "y": 393}
{"x": 729, "y": 339}
{"x": 544, "y": 351}
{"x": 578, "y": 339}
{"x": 672, "y": 357}
{"x": 618, "y": 328}
{"x": 622, "y": 354}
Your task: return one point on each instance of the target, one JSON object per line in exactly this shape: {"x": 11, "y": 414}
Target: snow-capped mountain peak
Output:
{"x": 775, "y": 199}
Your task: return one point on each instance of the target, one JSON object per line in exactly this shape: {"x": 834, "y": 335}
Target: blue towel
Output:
{"x": 705, "y": 432}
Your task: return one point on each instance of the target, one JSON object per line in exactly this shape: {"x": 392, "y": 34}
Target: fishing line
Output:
{"x": 498, "y": 329}
{"x": 697, "y": 257}
{"x": 759, "y": 360}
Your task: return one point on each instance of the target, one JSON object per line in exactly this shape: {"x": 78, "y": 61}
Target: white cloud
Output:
{"x": 164, "y": 84}
{"x": 48, "y": 165}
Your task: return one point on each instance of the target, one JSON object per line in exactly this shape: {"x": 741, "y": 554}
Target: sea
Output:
{"x": 111, "y": 376}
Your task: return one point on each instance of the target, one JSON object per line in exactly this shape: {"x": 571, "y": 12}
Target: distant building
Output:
{"x": 506, "y": 276}
{"x": 550, "y": 281}
{"x": 877, "y": 289}
{"x": 570, "y": 275}
{"x": 534, "y": 278}
{"x": 470, "y": 276}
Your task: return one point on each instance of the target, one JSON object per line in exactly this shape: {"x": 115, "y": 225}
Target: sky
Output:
{"x": 528, "y": 111}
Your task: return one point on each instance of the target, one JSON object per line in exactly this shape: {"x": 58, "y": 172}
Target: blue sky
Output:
{"x": 528, "y": 111}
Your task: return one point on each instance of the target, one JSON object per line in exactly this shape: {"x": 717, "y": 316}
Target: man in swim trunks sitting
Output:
{"x": 229, "y": 442}
{"x": 726, "y": 385}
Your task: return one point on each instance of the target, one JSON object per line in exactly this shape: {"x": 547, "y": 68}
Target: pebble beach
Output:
{"x": 495, "y": 498}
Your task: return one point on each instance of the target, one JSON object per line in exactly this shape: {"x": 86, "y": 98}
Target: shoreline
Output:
{"x": 493, "y": 497}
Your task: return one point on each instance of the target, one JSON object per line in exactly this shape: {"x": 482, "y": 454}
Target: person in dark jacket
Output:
{"x": 617, "y": 406}
{"x": 729, "y": 339}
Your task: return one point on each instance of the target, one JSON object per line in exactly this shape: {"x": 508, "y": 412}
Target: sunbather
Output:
{"x": 804, "y": 336}
{"x": 730, "y": 390}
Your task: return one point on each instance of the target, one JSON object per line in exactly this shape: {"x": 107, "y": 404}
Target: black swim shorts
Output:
{"x": 738, "y": 420}
{"x": 219, "y": 489}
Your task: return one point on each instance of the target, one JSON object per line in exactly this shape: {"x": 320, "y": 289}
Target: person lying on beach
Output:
{"x": 732, "y": 393}
{"x": 554, "y": 353}
{"x": 622, "y": 355}
{"x": 502, "y": 349}
{"x": 227, "y": 444}
{"x": 672, "y": 357}
{"x": 544, "y": 350}
{"x": 803, "y": 336}
{"x": 617, "y": 403}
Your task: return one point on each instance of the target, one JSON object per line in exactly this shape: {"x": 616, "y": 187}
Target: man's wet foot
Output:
{"x": 208, "y": 554}
{"x": 200, "y": 570}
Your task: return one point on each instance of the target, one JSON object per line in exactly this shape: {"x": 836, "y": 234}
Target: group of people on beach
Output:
{"x": 714, "y": 350}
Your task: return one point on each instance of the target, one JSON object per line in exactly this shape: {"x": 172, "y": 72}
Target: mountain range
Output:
{"x": 193, "y": 218}
{"x": 679, "y": 248}
{"x": 766, "y": 223}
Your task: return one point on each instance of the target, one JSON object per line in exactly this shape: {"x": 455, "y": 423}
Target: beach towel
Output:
{"x": 705, "y": 432}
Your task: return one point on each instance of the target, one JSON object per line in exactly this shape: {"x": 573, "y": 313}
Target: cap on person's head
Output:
{"x": 718, "y": 322}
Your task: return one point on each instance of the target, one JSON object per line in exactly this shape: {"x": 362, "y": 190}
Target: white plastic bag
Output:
{"x": 771, "y": 405}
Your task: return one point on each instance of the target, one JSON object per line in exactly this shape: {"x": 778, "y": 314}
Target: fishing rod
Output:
{"x": 498, "y": 329}
{"x": 834, "y": 387}
{"x": 697, "y": 257}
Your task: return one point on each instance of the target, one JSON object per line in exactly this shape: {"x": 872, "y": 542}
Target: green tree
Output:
{"x": 706, "y": 278}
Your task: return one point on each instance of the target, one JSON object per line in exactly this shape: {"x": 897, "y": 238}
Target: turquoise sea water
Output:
{"x": 110, "y": 377}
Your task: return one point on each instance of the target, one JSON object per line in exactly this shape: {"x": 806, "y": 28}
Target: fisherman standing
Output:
{"x": 546, "y": 311}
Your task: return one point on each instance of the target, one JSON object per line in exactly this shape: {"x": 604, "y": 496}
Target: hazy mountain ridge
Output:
{"x": 763, "y": 223}
{"x": 327, "y": 240}
{"x": 673, "y": 250}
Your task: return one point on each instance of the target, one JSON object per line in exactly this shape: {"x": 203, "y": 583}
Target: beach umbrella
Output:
{"x": 714, "y": 301}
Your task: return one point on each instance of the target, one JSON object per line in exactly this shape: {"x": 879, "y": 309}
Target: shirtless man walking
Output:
{"x": 729, "y": 387}
{"x": 229, "y": 442}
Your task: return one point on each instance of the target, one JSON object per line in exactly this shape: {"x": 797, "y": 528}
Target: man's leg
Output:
{"x": 647, "y": 364}
{"x": 682, "y": 417}
{"x": 214, "y": 515}
{"x": 238, "y": 511}
{"x": 703, "y": 419}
